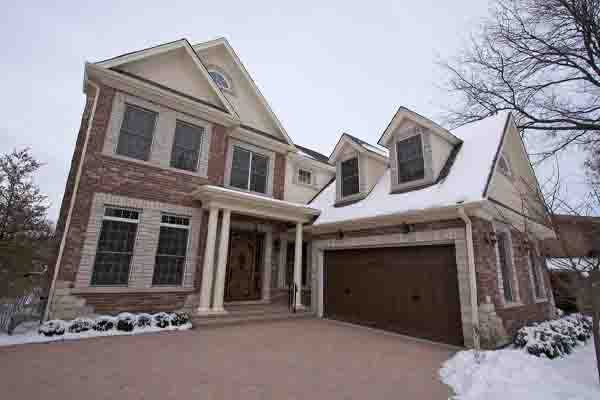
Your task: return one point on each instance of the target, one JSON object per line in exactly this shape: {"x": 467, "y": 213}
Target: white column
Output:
{"x": 267, "y": 266}
{"x": 298, "y": 265}
{"x": 223, "y": 256}
{"x": 208, "y": 265}
{"x": 282, "y": 272}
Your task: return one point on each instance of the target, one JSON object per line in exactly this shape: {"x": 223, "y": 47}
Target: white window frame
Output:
{"x": 311, "y": 176}
{"x": 339, "y": 178}
{"x": 541, "y": 282}
{"x": 135, "y": 241}
{"x": 270, "y": 155}
{"x": 398, "y": 137}
{"x": 187, "y": 247}
{"x": 397, "y": 143}
{"x": 516, "y": 300}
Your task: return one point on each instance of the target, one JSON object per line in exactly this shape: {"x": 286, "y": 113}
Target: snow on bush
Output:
{"x": 104, "y": 323}
{"x": 52, "y": 328}
{"x": 554, "y": 338}
{"x": 162, "y": 320}
{"x": 180, "y": 318}
{"x": 81, "y": 325}
{"x": 144, "y": 320}
{"x": 126, "y": 322}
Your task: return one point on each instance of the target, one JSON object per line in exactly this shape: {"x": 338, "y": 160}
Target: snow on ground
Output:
{"x": 28, "y": 333}
{"x": 513, "y": 374}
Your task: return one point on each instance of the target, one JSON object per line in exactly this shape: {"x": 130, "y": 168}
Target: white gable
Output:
{"x": 250, "y": 105}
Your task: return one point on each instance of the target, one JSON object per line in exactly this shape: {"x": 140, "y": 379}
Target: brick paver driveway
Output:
{"x": 300, "y": 359}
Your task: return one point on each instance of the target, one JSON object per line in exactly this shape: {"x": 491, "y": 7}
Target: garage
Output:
{"x": 408, "y": 290}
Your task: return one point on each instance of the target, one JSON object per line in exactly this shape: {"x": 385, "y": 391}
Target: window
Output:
{"x": 115, "y": 247}
{"x": 186, "y": 146}
{"x": 249, "y": 170}
{"x": 536, "y": 275}
{"x": 504, "y": 259}
{"x": 219, "y": 79}
{"x": 170, "y": 254}
{"x": 409, "y": 153}
{"x": 350, "y": 178}
{"x": 504, "y": 166}
{"x": 135, "y": 138}
{"x": 304, "y": 177}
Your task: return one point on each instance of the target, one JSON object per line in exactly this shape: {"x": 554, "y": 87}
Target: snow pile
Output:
{"x": 104, "y": 325}
{"x": 554, "y": 338}
{"x": 513, "y": 374}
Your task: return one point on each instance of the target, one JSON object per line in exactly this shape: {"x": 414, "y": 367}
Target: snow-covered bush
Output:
{"x": 80, "y": 325}
{"x": 554, "y": 338}
{"x": 179, "y": 318}
{"x": 162, "y": 320}
{"x": 104, "y": 323}
{"x": 52, "y": 327}
{"x": 126, "y": 322}
{"x": 144, "y": 320}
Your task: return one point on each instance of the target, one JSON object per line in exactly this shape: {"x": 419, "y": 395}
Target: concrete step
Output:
{"x": 247, "y": 316}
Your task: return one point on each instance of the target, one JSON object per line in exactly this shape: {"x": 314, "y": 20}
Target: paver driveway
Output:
{"x": 300, "y": 359}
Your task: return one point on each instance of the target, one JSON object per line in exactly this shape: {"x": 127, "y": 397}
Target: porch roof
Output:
{"x": 253, "y": 204}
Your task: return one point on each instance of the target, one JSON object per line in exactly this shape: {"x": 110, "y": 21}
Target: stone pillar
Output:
{"x": 267, "y": 266}
{"x": 208, "y": 265}
{"x": 282, "y": 272}
{"x": 298, "y": 266}
{"x": 223, "y": 256}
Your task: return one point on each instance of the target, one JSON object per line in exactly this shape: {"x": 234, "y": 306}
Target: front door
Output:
{"x": 243, "y": 267}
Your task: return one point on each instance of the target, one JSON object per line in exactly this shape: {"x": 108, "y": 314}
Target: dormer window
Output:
{"x": 350, "y": 180}
{"x": 411, "y": 165}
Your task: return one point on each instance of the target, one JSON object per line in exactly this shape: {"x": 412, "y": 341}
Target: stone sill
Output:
{"x": 153, "y": 165}
{"x": 123, "y": 289}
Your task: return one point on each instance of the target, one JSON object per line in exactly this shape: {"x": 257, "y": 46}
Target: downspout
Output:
{"x": 72, "y": 202}
{"x": 472, "y": 277}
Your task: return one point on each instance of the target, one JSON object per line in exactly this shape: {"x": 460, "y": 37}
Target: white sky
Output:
{"x": 324, "y": 69}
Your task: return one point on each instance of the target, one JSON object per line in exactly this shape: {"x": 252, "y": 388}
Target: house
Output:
{"x": 186, "y": 192}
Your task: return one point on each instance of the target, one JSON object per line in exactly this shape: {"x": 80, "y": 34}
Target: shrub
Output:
{"x": 125, "y": 322}
{"x": 52, "y": 327}
{"x": 179, "y": 318}
{"x": 162, "y": 320}
{"x": 144, "y": 320}
{"x": 80, "y": 325}
{"x": 554, "y": 338}
{"x": 103, "y": 324}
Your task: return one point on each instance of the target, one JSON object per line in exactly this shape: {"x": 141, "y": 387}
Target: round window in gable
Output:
{"x": 219, "y": 79}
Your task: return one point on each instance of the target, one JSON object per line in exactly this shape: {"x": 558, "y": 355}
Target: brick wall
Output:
{"x": 513, "y": 316}
{"x": 109, "y": 303}
{"x": 279, "y": 176}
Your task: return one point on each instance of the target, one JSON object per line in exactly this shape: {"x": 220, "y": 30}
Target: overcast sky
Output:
{"x": 323, "y": 69}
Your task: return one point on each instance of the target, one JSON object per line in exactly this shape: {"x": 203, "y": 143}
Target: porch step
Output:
{"x": 244, "y": 314}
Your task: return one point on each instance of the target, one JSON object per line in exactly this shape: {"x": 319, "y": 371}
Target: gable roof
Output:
{"x": 115, "y": 62}
{"x": 358, "y": 144}
{"x": 223, "y": 42}
{"x": 305, "y": 151}
{"x": 465, "y": 180}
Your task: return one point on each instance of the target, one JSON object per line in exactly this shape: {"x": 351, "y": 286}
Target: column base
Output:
{"x": 301, "y": 307}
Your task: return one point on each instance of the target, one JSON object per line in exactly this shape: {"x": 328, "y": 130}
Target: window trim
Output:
{"x": 120, "y": 130}
{"x": 187, "y": 248}
{"x": 404, "y": 133}
{"x": 97, "y": 242}
{"x": 397, "y": 143}
{"x": 311, "y": 175}
{"x": 222, "y": 76}
{"x": 203, "y": 136}
{"x": 516, "y": 296}
{"x": 341, "y": 175}
{"x": 270, "y": 155}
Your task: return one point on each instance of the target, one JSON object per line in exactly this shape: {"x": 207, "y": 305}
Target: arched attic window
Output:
{"x": 220, "y": 79}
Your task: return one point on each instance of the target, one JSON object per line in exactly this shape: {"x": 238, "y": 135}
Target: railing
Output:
{"x": 29, "y": 307}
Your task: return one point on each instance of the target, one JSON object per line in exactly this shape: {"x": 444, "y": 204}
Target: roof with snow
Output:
{"x": 315, "y": 155}
{"x": 382, "y": 151}
{"x": 465, "y": 182}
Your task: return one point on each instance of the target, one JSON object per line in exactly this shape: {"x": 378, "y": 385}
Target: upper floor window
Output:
{"x": 249, "y": 170}
{"x": 350, "y": 179}
{"x": 219, "y": 79}
{"x": 409, "y": 153}
{"x": 304, "y": 176}
{"x": 171, "y": 252}
{"x": 115, "y": 246}
{"x": 135, "y": 138}
{"x": 186, "y": 146}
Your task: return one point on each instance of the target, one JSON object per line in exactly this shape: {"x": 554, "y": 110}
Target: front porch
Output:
{"x": 247, "y": 269}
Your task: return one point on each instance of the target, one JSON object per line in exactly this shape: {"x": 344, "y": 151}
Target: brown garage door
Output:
{"x": 409, "y": 290}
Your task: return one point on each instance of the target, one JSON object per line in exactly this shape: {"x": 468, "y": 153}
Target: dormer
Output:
{"x": 358, "y": 166}
{"x": 419, "y": 150}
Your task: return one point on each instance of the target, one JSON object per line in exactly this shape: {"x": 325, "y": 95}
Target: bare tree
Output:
{"x": 539, "y": 59}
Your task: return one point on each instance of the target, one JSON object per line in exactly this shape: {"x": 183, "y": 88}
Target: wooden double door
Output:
{"x": 244, "y": 266}
{"x": 409, "y": 290}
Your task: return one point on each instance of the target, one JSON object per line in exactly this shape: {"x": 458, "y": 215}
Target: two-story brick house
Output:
{"x": 186, "y": 192}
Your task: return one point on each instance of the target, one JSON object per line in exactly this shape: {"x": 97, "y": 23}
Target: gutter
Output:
{"x": 72, "y": 202}
{"x": 472, "y": 278}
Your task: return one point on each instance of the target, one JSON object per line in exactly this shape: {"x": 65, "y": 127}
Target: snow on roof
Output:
{"x": 382, "y": 151}
{"x": 465, "y": 182}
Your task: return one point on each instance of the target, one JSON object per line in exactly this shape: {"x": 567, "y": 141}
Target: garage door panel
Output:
{"x": 409, "y": 290}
